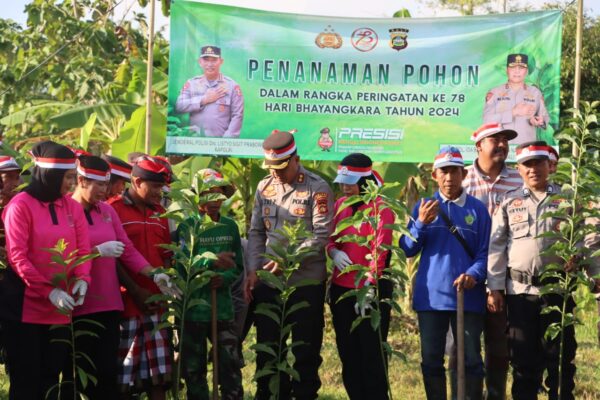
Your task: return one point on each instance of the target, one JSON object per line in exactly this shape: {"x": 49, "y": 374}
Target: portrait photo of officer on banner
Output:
{"x": 212, "y": 101}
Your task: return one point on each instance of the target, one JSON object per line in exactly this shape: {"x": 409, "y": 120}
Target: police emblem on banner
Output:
{"x": 364, "y": 39}
{"x": 398, "y": 38}
{"x": 328, "y": 39}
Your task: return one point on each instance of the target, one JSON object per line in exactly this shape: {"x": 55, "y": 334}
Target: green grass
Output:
{"x": 405, "y": 376}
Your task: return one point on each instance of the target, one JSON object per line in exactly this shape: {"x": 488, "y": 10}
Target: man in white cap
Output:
{"x": 515, "y": 267}
{"x": 451, "y": 232}
{"x": 488, "y": 179}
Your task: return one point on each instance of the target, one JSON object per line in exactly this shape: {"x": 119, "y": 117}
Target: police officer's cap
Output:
{"x": 532, "y": 151}
{"x": 516, "y": 60}
{"x": 210, "y": 51}
{"x": 279, "y": 147}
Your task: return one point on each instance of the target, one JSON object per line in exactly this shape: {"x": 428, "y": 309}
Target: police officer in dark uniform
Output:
{"x": 289, "y": 193}
{"x": 214, "y": 101}
{"x": 516, "y": 105}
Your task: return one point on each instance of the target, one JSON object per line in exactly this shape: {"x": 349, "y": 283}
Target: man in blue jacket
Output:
{"x": 451, "y": 231}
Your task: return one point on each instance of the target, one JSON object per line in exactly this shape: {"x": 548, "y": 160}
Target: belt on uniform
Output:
{"x": 524, "y": 278}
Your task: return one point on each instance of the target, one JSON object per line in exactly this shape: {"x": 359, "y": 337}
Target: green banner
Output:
{"x": 395, "y": 89}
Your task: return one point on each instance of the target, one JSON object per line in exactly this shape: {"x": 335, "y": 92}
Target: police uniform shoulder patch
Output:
{"x": 489, "y": 96}
{"x": 237, "y": 90}
{"x": 321, "y": 199}
{"x": 186, "y": 85}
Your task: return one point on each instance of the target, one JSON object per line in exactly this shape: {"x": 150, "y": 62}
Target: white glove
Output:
{"x": 61, "y": 300}
{"x": 340, "y": 259}
{"x": 112, "y": 248}
{"x": 366, "y": 304}
{"x": 79, "y": 290}
{"x": 166, "y": 286}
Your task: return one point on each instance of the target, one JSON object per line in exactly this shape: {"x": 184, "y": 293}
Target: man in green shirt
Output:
{"x": 223, "y": 240}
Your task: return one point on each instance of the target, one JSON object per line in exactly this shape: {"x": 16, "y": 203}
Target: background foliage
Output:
{"x": 77, "y": 75}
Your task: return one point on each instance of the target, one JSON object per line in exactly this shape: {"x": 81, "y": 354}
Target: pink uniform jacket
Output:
{"x": 104, "y": 293}
{"x": 30, "y": 230}
{"x": 358, "y": 254}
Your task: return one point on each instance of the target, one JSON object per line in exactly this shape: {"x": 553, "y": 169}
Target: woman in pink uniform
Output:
{"x": 363, "y": 366}
{"x": 103, "y": 303}
{"x": 32, "y": 299}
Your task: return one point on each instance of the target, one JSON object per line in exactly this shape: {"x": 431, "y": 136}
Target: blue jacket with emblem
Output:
{"x": 443, "y": 258}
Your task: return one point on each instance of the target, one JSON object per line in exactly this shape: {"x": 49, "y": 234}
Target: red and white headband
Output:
{"x": 485, "y": 131}
{"x": 448, "y": 159}
{"x": 279, "y": 154}
{"x": 354, "y": 171}
{"x": 120, "y": 171}
{"x": 8, "y": 162}
{"x": 57, "y": 163}
{"x": 531, "y": 151}
{"x": 378, "y": 178}
{"x": 94, "y": 174}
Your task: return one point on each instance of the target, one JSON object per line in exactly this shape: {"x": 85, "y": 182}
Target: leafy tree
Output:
{"x": 590, "y": 57}
{"x": 70, "y": 62}
{"x": 464, "y": 7}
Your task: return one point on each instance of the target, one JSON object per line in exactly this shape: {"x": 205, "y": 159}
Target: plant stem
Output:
{"x": 567, "y": 280}
{"x": 376, "y": 256}
{"x": 184, "y": 304}
{"x": 73, "y": 355}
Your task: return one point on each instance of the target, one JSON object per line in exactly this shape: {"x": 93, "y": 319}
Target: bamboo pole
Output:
{"x": 214, "y": 340}
{"x": 577, "y": 85}
{"x": 149, "y": 79}
{"x": 460, "y": 344}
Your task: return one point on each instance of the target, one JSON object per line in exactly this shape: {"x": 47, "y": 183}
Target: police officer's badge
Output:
{"x": 398, "y": 38}
{"x": 328, "y": 38}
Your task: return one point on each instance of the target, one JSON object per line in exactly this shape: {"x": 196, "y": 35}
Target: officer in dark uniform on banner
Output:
{"x": 213, "y": 100}
{"x": 516, "y": 105}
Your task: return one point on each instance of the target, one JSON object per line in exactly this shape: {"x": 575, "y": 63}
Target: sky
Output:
{"x": 14, "y": 9}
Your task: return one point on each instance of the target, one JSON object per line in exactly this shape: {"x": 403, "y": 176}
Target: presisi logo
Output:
{"x": 370, "y": 133}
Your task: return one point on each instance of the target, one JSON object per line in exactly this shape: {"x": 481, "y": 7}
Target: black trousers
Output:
{"x": 35, "y": 356}
{"x": 308, "y": 324}
{"x": 102, "y": 348}
{"x": 363, "y": 363}
{"x": 530, "y": 352}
